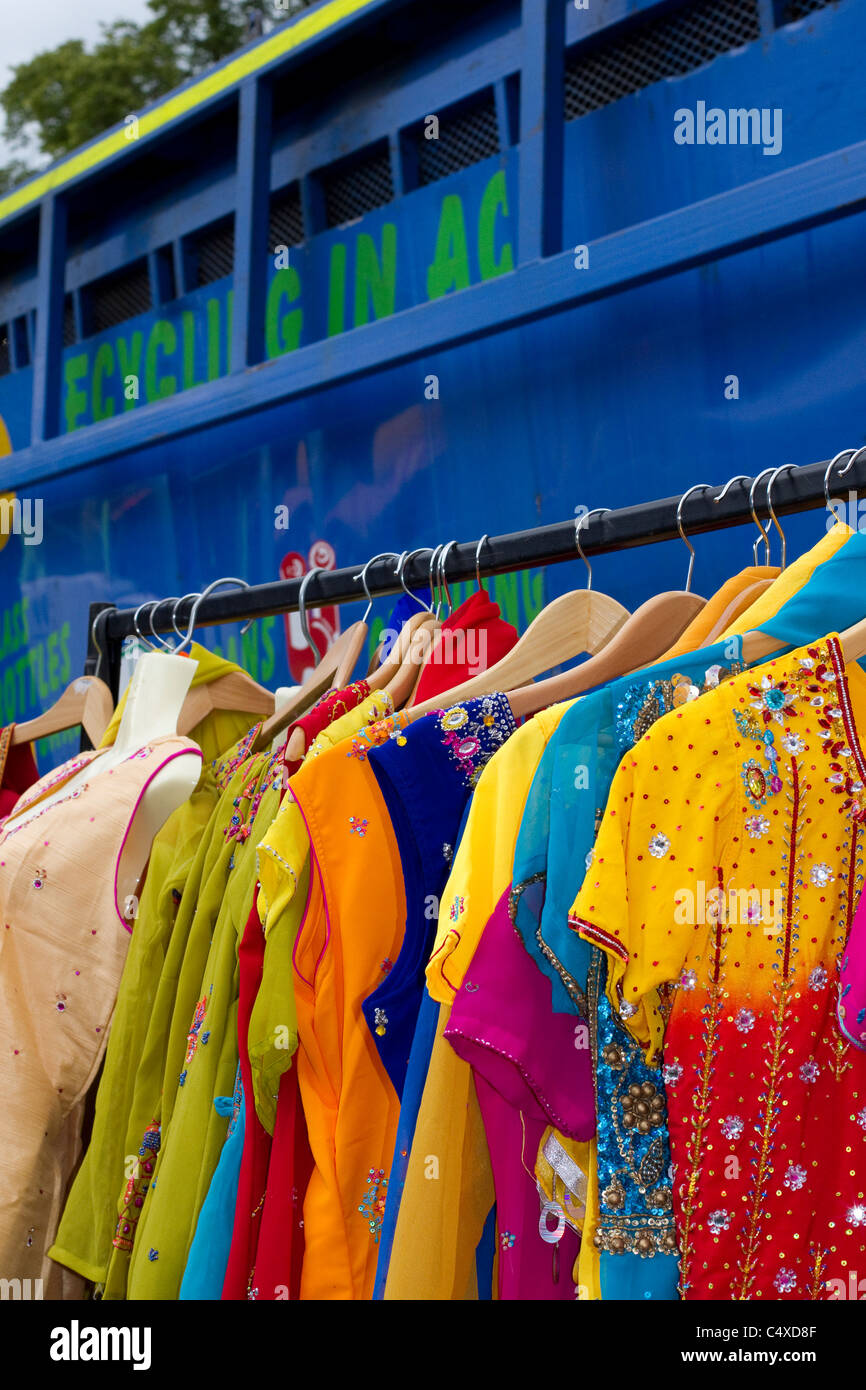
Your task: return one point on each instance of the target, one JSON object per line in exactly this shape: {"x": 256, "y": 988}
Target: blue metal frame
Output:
{"x": 544, "y": 280}
{"x": 778, "y": 206}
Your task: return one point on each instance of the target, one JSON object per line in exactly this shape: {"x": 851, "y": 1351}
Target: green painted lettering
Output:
{"x": 373, "y": 281}
{"x": 450, "y": 268}
{"x": 269, "y": 660}
{"x": 337, "y": 290}
{"x": 495, "y": 197}
{"x": 53, "y": 671}
{"x": 102, "y": 363}
{"x": 74, "y": 368}
{"x": 187, "y": 328}
{"x": 283, "y": 330}
{"x": 213, "y": 339}
{"x": 66, "y": 668}
{"x": 163, "y": 337}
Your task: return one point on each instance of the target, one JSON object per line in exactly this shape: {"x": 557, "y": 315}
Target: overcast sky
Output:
{"x": 28, "y": 27}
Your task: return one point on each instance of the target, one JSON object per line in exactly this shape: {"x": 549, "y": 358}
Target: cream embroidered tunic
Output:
{"x": 63, "y": 942}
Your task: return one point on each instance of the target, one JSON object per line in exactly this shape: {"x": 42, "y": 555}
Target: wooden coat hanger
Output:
{"x": 578, "y": 622}
{"x": 86, "y": 701}
{"x": 332, "y": 672}
{"x": 647, "y": 635}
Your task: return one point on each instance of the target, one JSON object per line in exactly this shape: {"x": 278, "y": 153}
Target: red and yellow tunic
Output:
{"x": 722, "y": 887}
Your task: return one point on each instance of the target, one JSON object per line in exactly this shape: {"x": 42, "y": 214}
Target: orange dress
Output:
{"x": 353, "y": 928}
{"x": 722, "y": 888}
{"x": 63, "y": 943}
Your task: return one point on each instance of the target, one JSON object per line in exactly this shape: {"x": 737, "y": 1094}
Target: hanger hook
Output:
{"x": 383, "y": 555}
{"x": 434, "y": 592}
{"x": 401, "y": 567}
{"x": 478, "y": 547}
{"x": 683, "y": 537}
{"x": 773, "y": 517}
{"x": 100, "y": 654}
{"x": 180, "y": 634}
{"x": 241, "y": 584}
{"x": 151, "y": 613}
{"x": 302, "y": 610}
{"x": 763, "y": 474}
{"x": 596, "y": 511}
{"x": 440, "y": 571}
{"x": 831, "y": 465}
{"x": 744, "y": 478}
{"x": 138, "y": 632}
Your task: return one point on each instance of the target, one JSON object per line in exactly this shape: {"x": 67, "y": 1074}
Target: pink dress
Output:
{"x": 532, "y": 1071}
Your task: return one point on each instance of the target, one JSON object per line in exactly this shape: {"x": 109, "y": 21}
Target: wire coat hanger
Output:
{"x": 642, "y": 638}
{"x": 577, "y": 623}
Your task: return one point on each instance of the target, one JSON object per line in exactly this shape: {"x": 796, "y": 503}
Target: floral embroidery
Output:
{"x": 373, "y": 1205}
{"x": 785, "y": 1281}
{"x": 744, "y": 1021}
{"x": 41, "y": 875}
{"x": 757, "y": 827}
{"x": 192, "y": 1037}
{"x": 810, "y": 1071}
{"x": 506, "y": 1240}
{"x": 719, "y": 1221}
{"x": 473, "y": 732}
{"x": 773, "y": 699}
{"x": 861, "y": 1118}
{"x": 357, "y": 827}
{"x": 671, "y": 1073}
{"x": 818, "y": 978}
{"x": 659, "y": 846}
{"x": 458, "y": 906}
{"x": 642, "y": 1107}
{"x": 136, "y": 1189}
{"x": 856, "y": 1215}
{"x": 688, "y": 979}
{"x": 821, "y": 875}
{"x": 758, "y": 786}
{"x": 795, "y": 1176}
{"x": 732, "y": 1127}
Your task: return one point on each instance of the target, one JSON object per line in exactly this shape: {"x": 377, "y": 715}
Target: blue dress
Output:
{"x": 208, "y": 1255}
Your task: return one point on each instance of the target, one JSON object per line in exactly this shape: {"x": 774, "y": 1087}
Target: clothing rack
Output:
{"x": 795, "y": 489}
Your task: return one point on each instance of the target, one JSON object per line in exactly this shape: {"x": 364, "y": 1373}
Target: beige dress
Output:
{"x": 63, "y": 942}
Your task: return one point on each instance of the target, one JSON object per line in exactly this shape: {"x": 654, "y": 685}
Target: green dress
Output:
{"x": 202, "y": 1053}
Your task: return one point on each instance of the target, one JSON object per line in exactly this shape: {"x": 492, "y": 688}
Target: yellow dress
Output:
{"x": 722, "y": 888}
{"x": 790, "y": 581}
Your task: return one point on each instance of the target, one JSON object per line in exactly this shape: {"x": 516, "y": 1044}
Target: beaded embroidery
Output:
{"x": 473, "y": 731}
{"x": 373, "y": 1205}
{"x": 136, "y": 1189}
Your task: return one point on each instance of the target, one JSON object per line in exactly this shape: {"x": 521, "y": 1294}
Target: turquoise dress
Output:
{"x": 208, "y": 1255}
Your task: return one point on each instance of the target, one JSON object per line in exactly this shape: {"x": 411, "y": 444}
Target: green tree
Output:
{"x": 67, "y": 95}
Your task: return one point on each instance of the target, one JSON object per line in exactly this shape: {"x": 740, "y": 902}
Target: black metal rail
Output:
{"x": 793, "y": 490}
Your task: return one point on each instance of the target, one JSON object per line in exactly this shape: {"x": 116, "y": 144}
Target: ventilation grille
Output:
{"x": 353, "y": 189}
{"x": 5, "y": 350}
{"x": 792, "y": 10}
{"x": 69, "y": 334}
{"x": 669, "y": 47}
{"x": 117, "y": 298}
{"x": 215, "y": 252}
{"x": 286, "y": 226}
{"x": 466, "y": 136}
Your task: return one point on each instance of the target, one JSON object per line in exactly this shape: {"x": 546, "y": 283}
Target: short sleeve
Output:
{"x": 659, "y": 842}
